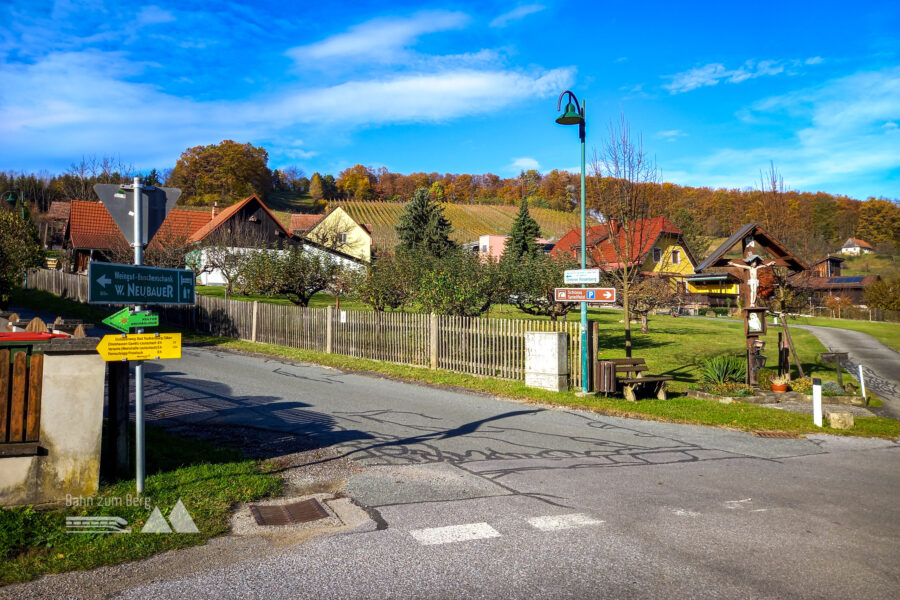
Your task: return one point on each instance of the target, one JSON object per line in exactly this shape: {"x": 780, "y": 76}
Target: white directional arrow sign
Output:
{"x": 104, "y": 280}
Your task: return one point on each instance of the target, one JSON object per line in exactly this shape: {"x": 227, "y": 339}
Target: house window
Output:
{"x": 342, "y": 238}
{"x": 676, "y": 257}
{"x": 484, "y": 249}
{"x": 657, "y": 255}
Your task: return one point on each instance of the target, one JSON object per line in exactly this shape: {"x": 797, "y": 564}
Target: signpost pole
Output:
{"x": 584, "y": 327}
{"x": 139, "y": 364}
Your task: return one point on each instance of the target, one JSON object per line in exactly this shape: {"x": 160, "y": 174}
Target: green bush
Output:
{"x": 831, "y": 388}
{"x": 723, "y": 368}
{"x": 764, "y": 378}
{"x": 802, "y": 385}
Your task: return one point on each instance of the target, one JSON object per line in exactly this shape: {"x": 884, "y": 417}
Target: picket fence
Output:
{"x": 472, "y": 345}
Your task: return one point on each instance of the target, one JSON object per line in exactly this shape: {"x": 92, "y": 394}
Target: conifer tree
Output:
{"x": 423, "y": 228}
{"x": 521, "y": 237}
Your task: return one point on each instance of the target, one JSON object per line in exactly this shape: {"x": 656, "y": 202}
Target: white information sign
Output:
{"x": 582, "y": 276}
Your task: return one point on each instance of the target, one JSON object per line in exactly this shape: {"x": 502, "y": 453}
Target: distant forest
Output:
{"x": 809, "y": 223}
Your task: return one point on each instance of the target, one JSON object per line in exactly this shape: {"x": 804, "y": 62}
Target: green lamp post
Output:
{"x": 574, "y": 115}
{"x": 12, "y": 199}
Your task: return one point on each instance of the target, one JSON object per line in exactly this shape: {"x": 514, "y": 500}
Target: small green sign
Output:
{"x": 125, "y": 320}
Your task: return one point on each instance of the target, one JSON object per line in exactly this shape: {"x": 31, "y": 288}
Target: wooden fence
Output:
{"x": 473, "y": 345}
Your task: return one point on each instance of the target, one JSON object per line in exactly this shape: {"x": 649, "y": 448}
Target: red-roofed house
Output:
{"x": 92, "y": 234}
{"x": 655, "y": 244}
{"x": 856, "y": 247}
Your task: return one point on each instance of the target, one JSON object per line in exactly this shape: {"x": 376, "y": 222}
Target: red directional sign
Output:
{"x": 585, "y": 294}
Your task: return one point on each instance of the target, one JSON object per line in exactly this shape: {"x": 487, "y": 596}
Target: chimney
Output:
{"x": 215, "y": 209}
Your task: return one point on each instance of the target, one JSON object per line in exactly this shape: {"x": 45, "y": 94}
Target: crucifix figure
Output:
{"x": 754, "y": 268}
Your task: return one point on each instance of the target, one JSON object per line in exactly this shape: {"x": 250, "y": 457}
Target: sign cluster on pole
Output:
{"x": 139, "y": 211}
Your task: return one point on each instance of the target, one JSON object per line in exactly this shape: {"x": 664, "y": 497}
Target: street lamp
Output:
{"x": 574, "y": 115}
{"x": 10, "y": 197}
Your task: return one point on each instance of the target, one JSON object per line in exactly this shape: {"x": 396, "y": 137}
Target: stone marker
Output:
{"x": 840, "y": 420}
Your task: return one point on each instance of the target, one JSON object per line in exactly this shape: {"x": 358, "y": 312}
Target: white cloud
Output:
{"x": 525, "y": 163}
{"x": 711, "y": 74}
{"x": 154, "y": 15}
{"x": 670, "y": 135}
{"x": 69, "y": 104}
{"x": 842, "y": 139}
{"x": 379, "y": 39}
{"x": 517, "y": 13}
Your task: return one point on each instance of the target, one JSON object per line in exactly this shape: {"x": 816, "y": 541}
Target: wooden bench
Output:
{"x": 608, "y": 379}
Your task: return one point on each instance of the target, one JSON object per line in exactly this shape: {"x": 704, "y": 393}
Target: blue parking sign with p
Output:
{"x": 590, "y": 295}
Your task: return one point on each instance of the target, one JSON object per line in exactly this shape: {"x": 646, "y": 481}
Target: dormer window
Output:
{"x": 657, "y": 255}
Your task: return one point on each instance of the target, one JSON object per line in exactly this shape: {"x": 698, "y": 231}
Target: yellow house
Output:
{"x": 335, "y": 230}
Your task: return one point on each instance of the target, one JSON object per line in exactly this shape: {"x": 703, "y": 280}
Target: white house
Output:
{"x": 856, "y": 247}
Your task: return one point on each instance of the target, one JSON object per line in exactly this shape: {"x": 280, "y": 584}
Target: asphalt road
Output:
{"x": 477, "y": 497}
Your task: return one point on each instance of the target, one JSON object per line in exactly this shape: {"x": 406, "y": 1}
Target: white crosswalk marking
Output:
{"x": 454, "y": 533}
{"x": 558, "y": 522}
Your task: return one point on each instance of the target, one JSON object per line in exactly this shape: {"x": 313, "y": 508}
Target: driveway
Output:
{"x": 880, "y": 362}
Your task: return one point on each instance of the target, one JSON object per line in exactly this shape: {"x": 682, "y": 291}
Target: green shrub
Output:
{"x": 831, "y": 388}
{"x": 723, "y": 368}
{"x": 764, "y": 378}
{"x": 731, "y": 388}
{"x": 803, "y": 385}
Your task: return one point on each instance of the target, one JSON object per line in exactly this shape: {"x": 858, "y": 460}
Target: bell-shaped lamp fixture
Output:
{"x": 571, "y": 116}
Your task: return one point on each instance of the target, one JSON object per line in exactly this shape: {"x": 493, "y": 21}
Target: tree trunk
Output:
{"x": 644, "y": 328}
{"x": 337, "y": 304}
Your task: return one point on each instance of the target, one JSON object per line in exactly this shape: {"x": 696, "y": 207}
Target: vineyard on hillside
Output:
{"x": 469, "y": 220}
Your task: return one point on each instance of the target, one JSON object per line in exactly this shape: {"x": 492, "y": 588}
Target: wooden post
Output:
{"x": 118, "y": 418}
{"x": 434, "y": 340}
{"x": 329, "y": 329}
{"x": 787, "y": 335}
{"x": 254, "y": 320}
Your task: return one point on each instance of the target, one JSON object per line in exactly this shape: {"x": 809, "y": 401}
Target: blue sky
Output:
{"x": 715, "y": 90}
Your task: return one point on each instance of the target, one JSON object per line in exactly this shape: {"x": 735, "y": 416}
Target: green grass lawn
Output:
{"x": 208, "y": 479}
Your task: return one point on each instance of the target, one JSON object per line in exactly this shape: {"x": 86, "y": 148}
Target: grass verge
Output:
{"x": 208, "y": 479}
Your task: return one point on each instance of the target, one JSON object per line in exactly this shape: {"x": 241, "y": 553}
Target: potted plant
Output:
{"x": 780, "y": 383}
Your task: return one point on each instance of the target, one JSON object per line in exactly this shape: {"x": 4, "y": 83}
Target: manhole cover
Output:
{"x": 776, "y": 434}
{"x": 288, "y": 514}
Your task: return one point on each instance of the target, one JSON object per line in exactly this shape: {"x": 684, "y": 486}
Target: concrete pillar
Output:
{"x": 546, "y": 360}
